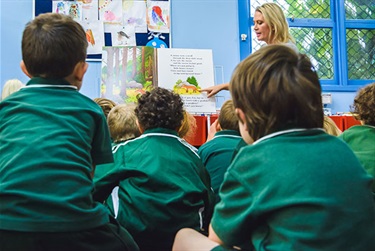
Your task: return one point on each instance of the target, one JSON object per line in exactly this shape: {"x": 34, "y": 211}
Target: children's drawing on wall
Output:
{"x": 71, "y": 8}
{"x": 95, "y": 36}
{"x": 110, "y": 11}
{"x": 134, "y": 13}
{"x": 126, "y": 72}
{"x": 158, "y": 16}
{"x": 156, "y": 40}
{"x": 121, "y": 35}
{"x": 90, "y": 10}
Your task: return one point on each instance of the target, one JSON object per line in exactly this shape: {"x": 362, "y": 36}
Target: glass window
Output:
{"x": 338, "y": 37}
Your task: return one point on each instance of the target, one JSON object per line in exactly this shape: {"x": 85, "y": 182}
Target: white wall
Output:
{"x": 200, "y": 24}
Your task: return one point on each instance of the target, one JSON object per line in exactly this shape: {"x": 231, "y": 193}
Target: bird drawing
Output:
{"x": 90, "y": 37}
{"x": 109, "y": 15}
{"x": 123, "y": 34}
{"x": 157, "y": 16}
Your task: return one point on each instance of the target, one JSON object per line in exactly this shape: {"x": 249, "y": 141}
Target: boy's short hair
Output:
{"x": 105, "y": 104}
{"x": 228, "y": 119}
{"x": 122, "y": 122}
{"x": 277, "y": 89}
{"x": 364, "y": 105}
{"x": 52, "y": 45}
{"x": 160, "y": 108}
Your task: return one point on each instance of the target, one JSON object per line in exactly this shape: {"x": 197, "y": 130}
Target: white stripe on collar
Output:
{"x": 285, "y": 132}
{"x": 49, "y": 86}
{"x": 182, "y": 141}
{"x": 227, "y": 136}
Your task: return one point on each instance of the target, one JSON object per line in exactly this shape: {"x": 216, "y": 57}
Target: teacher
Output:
{"x": 271, "y": 27}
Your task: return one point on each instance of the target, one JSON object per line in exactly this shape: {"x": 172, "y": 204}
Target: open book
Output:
{"x": 130, "y": 71}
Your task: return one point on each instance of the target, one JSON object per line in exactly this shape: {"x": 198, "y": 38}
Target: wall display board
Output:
{"x": 116, "y": 22}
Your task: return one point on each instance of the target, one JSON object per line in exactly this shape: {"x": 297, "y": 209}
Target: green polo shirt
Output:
{"x": 163, "y": 187}
{"x": 296, "y": 190}
{"x": 50, "y": 137}
{"x": 361, "y": 139}
{"x": 216, "y": 155}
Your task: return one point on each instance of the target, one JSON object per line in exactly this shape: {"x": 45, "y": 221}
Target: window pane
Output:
{"x": 317, "y": 44}
{"x": 361, "y": 53}
{"x": 359, "y": 9}
{"x": 299, "y": 9}
{"x": 314, "y": 42}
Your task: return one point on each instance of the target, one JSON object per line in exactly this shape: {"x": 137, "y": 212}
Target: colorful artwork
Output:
{"x": 158, "y": 16}
{"x": 95, "y": 36}
{"x": 121, "y": 35}
{"x": 71, "y": 8}
{"x": 127, "y": 72}
{"x": 134, "y": 13}
{"x": 110, "y": 11}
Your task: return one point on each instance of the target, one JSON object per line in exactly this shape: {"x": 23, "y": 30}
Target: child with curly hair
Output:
{"x": 361, "y": 138}
{"x": 163, "y": 185}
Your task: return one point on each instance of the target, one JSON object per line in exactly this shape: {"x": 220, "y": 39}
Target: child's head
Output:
{"x": 228, "y": 119}
{"x": 188, "y": 127}
{"x": 52, "y": 46}
{"x": 330, "y": 126}
{"x": 364, "y": 105}
{"x": 276, "y": 89}
{"x": 10, "y": 86}
{"x": 159, "y": 108}
{"x": 122, "y": 122}
{"x": 105, "y": 104}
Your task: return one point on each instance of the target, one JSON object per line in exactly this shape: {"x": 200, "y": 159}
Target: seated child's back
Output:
{"x": 51, "y": 138}
{"x": 163, "y": 185}
{"x": 216, "y": 154}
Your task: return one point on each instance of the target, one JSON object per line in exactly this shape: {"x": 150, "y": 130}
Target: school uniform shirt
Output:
{"x": 361, "y": 139}
{"x": 50, "y": 137}
{"x": 217, "y": 153}
{"x": 296, "y": 190}
{"x": 162, "y": 187}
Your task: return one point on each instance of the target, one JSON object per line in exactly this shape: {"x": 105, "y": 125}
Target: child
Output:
{"x": 216, "y": 153}
{"x": 51, "y": 139}
{"x": 361, "y": 138}
{"x": 188, "y": 127}
{"x": 163, "y": 185}
{"x": 11, "y": 86}
{"x": 122, "y": 123}
{"x": 330, "y": 126}
{"x": 105, "y": 104}
{"x": 294, "y": 187}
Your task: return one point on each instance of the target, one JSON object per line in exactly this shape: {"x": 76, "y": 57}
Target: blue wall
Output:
{"x": 205, "y": 24}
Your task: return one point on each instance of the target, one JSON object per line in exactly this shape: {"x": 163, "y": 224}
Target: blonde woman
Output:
{"x": 271, "y": 27}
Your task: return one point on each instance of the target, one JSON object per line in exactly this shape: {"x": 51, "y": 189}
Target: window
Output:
{"x": 338, "y": 37}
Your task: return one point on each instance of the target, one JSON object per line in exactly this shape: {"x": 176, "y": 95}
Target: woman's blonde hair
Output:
{"x": 275, "y": 18}
{"x": 11, "y": 86}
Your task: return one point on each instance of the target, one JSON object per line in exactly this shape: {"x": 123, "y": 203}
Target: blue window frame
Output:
{"x": 349, "y": 61}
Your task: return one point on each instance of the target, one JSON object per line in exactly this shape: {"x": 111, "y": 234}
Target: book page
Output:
{"x": 185, "y": 71}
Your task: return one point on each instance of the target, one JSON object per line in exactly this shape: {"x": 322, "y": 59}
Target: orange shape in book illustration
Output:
{"x": 188, "y": 87}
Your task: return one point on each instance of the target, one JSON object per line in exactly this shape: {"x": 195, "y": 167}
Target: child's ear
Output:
{"x": 24, "y": 69}
{"x": 80, "y": 70}
{"x": 218, "y": 127}
{"x": 241, "y": 117}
